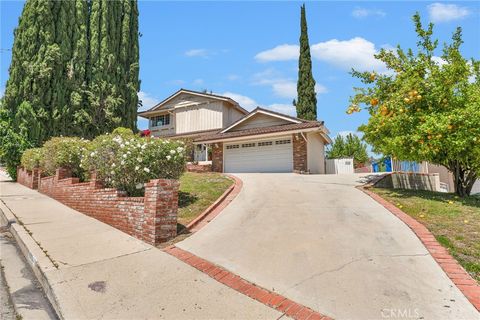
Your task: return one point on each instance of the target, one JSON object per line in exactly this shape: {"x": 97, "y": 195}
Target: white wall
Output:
{"x": 315, "y": 153}
{"x": 339, "y": 166}
{"x": 205, "y": 116}
{"x": 230, "y": 114}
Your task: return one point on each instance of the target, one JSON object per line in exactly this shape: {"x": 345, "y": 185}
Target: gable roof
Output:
{"x": 162, "y": 103}
{"x": 292, "y": 127}
{"x": 271, "y": 113}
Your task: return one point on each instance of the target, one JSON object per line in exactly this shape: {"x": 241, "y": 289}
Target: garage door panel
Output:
{"x": 268, "y": 156}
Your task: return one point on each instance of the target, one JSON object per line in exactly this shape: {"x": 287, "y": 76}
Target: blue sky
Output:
{"x": 247, "y": 50}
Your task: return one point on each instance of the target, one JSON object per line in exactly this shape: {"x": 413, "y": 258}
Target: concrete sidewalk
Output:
{"x": 92, "y": 271}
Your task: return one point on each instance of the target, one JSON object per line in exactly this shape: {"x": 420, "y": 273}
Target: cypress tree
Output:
{"x": 306, "y": 103}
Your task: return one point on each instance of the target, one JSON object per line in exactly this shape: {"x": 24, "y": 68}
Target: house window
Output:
{"x": 248, "y": 145}
{"x": 282, "y": 142}
{"x": 265, "y": 143}
{"x": 159, "y": 121}
{"x": 233, "y": 146}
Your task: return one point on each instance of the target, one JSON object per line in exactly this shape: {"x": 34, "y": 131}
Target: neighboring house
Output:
{"x": 240, "y": 141}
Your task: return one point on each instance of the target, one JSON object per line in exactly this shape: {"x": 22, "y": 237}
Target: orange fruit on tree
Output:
{"x": 374, "y": 101}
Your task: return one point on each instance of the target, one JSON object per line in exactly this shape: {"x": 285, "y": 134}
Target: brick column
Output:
{"x": 35, "y": 178}
{"x": 160, "y": 211}
{"x": 62, "y": 173}
{"x": 217, "y": 157}
{"x": 299, "y": 153}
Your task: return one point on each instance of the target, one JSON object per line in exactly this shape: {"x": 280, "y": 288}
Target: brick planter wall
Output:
{"x": 152, "y": 218}
{"x": 217, "y": 157}
{"x": 299, "y": 153}
{"x": 28, "y": 178}
{"x": 199, "y": 168}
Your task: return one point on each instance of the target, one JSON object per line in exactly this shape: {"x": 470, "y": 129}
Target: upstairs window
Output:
{"x": 160, "y": 121}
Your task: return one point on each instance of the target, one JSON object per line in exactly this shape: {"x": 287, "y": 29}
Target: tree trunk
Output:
{"x": 464, "y": 179}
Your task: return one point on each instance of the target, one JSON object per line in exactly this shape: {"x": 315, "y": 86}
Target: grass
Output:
{"x": 454, "y": 221}
{"x": 197, "y": 192}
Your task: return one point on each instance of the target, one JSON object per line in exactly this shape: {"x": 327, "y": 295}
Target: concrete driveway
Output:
{"x": 319, "y": 241}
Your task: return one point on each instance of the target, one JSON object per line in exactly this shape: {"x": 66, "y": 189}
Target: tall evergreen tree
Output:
{"x": 306, "y": 103}
{"x": 112, "y": 76}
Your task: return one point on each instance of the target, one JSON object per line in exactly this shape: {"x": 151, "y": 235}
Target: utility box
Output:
{"x": 339, "y": 166}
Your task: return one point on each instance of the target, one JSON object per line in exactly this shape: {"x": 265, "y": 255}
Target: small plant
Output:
{"x": 63, "y": 152}
{"x": 32, "y": 158}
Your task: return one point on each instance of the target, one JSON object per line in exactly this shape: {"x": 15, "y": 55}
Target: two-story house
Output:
{"x": 240, "y": 141}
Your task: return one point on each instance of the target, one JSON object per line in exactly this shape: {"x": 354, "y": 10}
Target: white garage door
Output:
{"x": 272, "y": 155}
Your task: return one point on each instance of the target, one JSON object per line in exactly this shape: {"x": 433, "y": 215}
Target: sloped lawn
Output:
{"x": 455, "y": 222}
{"x": 197, "y": 192}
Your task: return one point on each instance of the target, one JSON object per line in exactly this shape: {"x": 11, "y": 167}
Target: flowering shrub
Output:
{"x": 63, "y": 152}
{"x": 126, "y": 161}
{"x": 31, "y": 158}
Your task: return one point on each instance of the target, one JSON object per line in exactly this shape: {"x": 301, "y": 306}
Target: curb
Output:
{"x": 34, "y": 256}
{"x": 462, "y": 280}
{"x": 215, "y": 208}
{"x": 266, "y": 297}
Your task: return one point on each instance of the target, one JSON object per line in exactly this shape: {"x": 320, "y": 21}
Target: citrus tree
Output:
{"x": 425, "y": 107}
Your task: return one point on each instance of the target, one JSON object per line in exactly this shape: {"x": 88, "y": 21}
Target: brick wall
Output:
{"x": 199, "y": 167}
{"x": 299, "y": 153}
{"x": 28, "y": 178}
{"x": 152, "y": 218}
{"x": 217, "y": 157}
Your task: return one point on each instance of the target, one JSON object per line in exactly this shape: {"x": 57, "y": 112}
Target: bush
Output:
{"x": 126, "y": 161}
{"x": 32, "y": 158}
{"x": 12, "y": 143}
{"x": 63, "y": 152}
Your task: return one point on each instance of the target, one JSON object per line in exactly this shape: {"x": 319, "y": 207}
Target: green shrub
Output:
{"x": 32, "y": 158}
{"x": 12, "y": 145}
{"x": 63, "y": 152}
{"x": 127, "y": 162}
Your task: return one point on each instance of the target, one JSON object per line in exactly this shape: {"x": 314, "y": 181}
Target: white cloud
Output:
{"x": 441, "y": 12}
{"x": 198, "y": 82}
{"x": 246, "y": 102}
{"x": 347, "y": 132}
{"x": 356, "y": 53}
{"x": 287, "y": 89}
{"x": 319, "y": 89}
{"x": 250, "y": 104}
{"x": 147, "y": 100}
{"x": 282, "y": 108}
{"x": 363, "y": 13}
{"x": 279, "y": 53}
{"x": 233, "y": 77}
{"x": 2, "y": 92}
{"x": 197, "y": 53}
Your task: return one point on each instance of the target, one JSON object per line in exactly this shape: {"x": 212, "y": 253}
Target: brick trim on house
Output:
{"x": 199, "y": 168}
{"x": 152, "y": 218}
{"x": 217, "y": 157}
{"x": 299, "y": 153}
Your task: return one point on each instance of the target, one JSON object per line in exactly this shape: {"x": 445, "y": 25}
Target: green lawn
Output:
{"x": 197, "y": 192}
{"x": 455, "y": 222}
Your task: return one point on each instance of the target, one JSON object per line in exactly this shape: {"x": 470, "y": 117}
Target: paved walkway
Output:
{"x": 105, "y": 274}
{"x": 321, "y": 242}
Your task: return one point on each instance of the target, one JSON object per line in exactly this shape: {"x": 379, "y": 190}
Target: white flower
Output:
{"x": 138, "y": 145}
{"x": 169, "y": 157}
{"x": 144, "y": 146}
{"x": 92, "y": 154}
{"x": 172, "y": 151}
{"x": 136, "y": 168}
{"x": 122, "y": 146}
{"x": 112, "y": 172}
{"x": 125, "y": 156}
{"x": 113, "y": 165}
{"x": 123, "y": 162}
{"x": 139, "y": 159}
{"x": 146, "y": 170}
{"x": 179, "y": 149}
{"x": 128, "y": 152}
{"x": 127, "y": 143}
{"x": 139, "y": 186}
